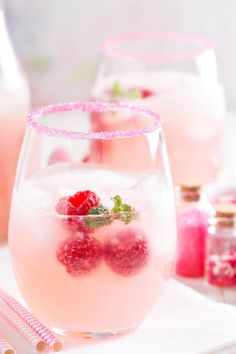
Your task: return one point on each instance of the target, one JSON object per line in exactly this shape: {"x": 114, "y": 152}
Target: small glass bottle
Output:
{"x": 221, "y": 247}
{"x": 191, "y": 230}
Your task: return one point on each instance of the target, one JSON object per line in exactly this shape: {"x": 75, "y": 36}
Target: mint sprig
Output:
{"x": 127, "y": 211}
{"x": 135, "y": 94}
{"x": 118, "y": 91}
{"x": 99, "y": 221}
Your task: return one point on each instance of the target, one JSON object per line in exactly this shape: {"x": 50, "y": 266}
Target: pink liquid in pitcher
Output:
{"x": 111, "y": 296}
{"x": 13, "y": 110}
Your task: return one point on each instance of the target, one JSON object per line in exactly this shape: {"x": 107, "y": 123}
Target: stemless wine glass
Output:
{"x": 92, "y": 241}
{"x": 175, "y": 74}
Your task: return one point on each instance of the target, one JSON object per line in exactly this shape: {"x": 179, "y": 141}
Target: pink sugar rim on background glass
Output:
{"x": 202, "y": 42}
{"x": 93, "y": 106}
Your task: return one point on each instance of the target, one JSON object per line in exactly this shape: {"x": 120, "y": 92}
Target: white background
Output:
{"x": 58, "y": 40}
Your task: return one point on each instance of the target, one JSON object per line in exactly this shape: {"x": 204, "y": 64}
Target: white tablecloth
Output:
{"x": 184, "y": 322}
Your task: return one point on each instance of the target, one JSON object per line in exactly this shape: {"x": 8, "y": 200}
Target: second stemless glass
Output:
{"x": 175, "y": 74}
{"x": 92, "y": 241}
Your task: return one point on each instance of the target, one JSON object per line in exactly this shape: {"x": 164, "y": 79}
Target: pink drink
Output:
{"x": 193, "y": 112}
{"x": 104, "y": 299}
{"x": 13, "y": 110}
{"x": 14, "y": 98}
{"x": 191, "y": 227}
{"x": 112, "y": 152}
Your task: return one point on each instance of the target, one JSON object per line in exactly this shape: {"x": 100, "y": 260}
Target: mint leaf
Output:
{"x": 128, "y": 212}
{"x": 117, "y": 89}
{"x": 99, "y": 221}
{"x": 135, "y": 94}
{"x": 117, "y": 204}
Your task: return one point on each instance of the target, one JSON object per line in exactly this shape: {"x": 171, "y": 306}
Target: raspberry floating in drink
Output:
{"x": 126, "y": 251}
{"x": 77, "y": 205}
{"x": 84, "y": 201}
{"x": 83, "y": 252}
{"x": 80, "y": 254}
{"x": 143, "y": 92}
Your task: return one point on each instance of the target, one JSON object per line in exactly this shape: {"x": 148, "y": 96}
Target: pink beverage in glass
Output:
{"x": 191, "y": 102}
{"x": 14, "y": 105}
{"x": 92, "y": 245}
{"x": 111, "y": 152}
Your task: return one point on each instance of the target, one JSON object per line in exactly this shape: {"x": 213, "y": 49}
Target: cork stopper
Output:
{"x": 190, "y": 191}
{"x": 225, "y": 210}
{"x": 190, "y": 187}
{"x": 225, "y": 214}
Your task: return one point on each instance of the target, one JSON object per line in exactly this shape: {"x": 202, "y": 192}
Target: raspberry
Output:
{"x": 87, "y": 158}
{"x": 143, "y": 93}
{"x": 83, "y": 201}
{"x": 78, "y": 204}
{"x": 73, "y": 222}
{"x": 65, "y": 207}
{"x": 126, "y": 252}
{"x": 146, "y": 93}
{"x": 80, "y": 254}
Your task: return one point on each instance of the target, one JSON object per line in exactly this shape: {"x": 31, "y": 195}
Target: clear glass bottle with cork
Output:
{"x": 192, "y": 215}
{"x": 221, "y": 247}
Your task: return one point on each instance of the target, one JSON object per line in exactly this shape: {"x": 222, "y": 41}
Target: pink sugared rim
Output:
{"x": 93, "y": 106}
{"x": 202, "y": 44}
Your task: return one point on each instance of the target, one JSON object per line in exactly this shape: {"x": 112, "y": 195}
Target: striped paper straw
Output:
{"x": 5, "y": 347}
{"x": 48, "y": 336}
{"x": 22, "y": 328}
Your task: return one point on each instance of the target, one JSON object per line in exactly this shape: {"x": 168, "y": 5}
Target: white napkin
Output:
{"x": 184, "y": 322}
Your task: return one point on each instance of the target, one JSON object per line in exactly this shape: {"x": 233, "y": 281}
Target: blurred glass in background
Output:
{"x": 58, "y": 41}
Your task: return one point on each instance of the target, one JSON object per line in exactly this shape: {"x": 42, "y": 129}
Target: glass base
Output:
{"x": 92, "y": 335}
